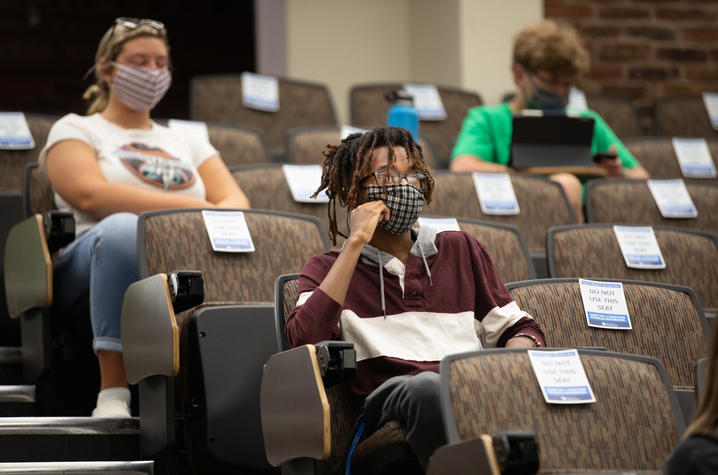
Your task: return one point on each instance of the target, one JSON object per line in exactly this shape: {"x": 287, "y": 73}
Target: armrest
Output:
{"x": 28, "y": 268}
{"x": 59, "y": 229}
{"x": 150, "y": 334}
{"x": 337, "y": 361}
{"x": 475, "y": 456}
{"x": 294, "y": 407}
{"x": 504, "y": 452}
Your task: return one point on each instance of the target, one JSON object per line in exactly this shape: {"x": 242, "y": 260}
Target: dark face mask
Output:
{"x": 545, "y": 100}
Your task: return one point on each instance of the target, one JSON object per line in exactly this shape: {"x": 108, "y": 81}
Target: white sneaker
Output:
{"x": 113, "y": 403}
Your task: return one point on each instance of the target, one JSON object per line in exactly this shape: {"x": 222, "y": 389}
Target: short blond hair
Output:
{"x": 551, "y": 47}
{"x": 109, "y": 48}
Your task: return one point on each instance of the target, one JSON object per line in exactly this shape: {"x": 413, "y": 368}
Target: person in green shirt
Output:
{"x": 547, "y": 60}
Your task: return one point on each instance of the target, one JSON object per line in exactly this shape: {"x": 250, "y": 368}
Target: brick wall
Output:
{"x": 643, "y": 49}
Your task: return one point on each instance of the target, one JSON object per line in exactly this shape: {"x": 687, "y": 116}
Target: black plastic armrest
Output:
{"x": 59, "y": 229}
{"x": 186, "y": 288}
{"x": 337, "y": 361}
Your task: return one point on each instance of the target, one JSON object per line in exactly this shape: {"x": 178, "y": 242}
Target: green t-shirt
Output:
{"x": 486, "y": 133}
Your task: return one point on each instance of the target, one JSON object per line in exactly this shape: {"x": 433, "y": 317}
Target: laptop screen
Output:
{"x": 551, "y": 141}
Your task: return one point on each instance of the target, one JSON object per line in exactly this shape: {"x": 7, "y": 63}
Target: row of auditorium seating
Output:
{"x": 165, "y": 231}
{"x": 677, "y": 116}
{"x": 218, "y": 98}
{"x": 501, "y": 394}
{"x": 242, "y": 146}
{"x": 542, "y": 203}
{"x": 241, "y": 332}
{"x": 303, "y": 104}
{"x": 543, "y": 206}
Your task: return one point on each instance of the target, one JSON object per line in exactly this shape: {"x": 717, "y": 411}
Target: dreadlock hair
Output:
{"x": 350, "y": 161}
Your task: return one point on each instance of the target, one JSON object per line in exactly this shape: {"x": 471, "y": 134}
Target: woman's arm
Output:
{"x": 222, "y": 188}
{"x": 75, "y": 175}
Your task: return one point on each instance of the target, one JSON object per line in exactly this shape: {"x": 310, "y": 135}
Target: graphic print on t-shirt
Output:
{"x": 156, "y": 167}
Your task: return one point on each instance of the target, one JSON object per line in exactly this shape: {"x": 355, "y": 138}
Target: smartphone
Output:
{"x": 599, "y": 157}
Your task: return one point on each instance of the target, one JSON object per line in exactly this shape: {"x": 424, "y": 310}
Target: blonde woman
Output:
{"x": 698, "y": 453}
{"x": 109, "y": 166}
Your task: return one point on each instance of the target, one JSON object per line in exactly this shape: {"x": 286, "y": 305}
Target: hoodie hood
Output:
{"x": 423, "y": 247}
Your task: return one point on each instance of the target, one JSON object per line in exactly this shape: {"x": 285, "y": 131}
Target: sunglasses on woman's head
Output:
{"x": 132, "y": 23}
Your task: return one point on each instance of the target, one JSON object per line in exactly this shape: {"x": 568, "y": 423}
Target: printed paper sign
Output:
{"x": 577, "y": 100}
{"x": 639, "y": 247}
{"x": 303, "y": 181}
{"x": 427, "y": 101}
{"x": 496, "y": 193}
{"x": 14, "y": 132}
{"x": 710, "y": 99}
{"x": 694, "y": 158}
{"x": 260, "y": 92}
{"x": 190, "y": 127}
{"x": 441, "y": 224}
{"x": 228, "y": 231}
{"x": 605, "y": 305}
{"x": 347, "y": 130}
{"x": 672, "y": 198}
{"x": 561, "y": 377}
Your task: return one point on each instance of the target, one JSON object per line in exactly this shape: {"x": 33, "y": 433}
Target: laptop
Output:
{"x": 551, "y": 140}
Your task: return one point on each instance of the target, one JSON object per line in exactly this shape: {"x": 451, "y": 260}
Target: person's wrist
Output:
{"x": 529, "y": 337}
{"x": 354, "y": 241}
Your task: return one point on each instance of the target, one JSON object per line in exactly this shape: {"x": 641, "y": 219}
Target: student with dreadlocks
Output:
{"x": 405, "y": 298}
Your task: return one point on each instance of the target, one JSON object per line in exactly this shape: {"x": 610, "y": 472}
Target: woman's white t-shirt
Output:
{"x": 154, "y": 159}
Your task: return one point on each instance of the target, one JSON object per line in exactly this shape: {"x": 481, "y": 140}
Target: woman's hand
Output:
{"x": 364, "y": 219}
{"x": 222, "y": 189}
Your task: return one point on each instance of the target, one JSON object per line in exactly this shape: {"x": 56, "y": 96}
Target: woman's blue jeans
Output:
{"x": 103, "y": 260}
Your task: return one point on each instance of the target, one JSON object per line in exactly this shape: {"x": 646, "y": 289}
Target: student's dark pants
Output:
{"x": 414, "y": 402}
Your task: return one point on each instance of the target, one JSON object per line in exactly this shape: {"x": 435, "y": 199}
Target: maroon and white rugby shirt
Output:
{"x": 424, "y": 321}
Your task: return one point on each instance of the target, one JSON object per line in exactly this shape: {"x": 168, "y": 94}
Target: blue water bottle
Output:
{"x": 403, "y": 113}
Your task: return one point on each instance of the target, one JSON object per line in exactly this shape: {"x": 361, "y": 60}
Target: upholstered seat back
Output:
{"x": 542, "y": 204}
{"x": 617, "y": 112}
{"x": 506, "y": 246}
{"x": 267, "y": 188}
{"x": 38, "y": 196}
{"x": 592, "y": 251}
{"x": 218, "y": 98}
{"x": 667, "y": 322}
{"x": 633, "y": 425}
{"x": 658, "y": 157}
{"x": 628, "y": 201}
{"x": 12, "y": 162}
{"x": 305, "y": 145}
{"x": 177, "y": 239}
{"x": 683, "y": 116}
{"x": 238, "y": 145}
{"x": 369, "y": 107}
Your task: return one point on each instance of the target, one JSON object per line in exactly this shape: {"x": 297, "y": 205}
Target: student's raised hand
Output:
{"x": 364, "y": 219}
{"x": 612, "y": 165}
